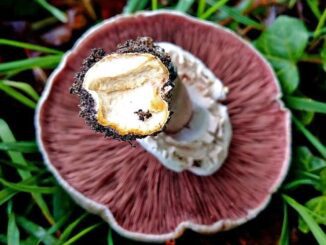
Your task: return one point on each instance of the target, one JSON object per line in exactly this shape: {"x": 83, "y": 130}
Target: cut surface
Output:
{"x": 127, "y": 91}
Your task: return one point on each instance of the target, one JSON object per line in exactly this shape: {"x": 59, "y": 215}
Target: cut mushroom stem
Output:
{"x": 133, "y": 92}
{"x": 182, "y": 108}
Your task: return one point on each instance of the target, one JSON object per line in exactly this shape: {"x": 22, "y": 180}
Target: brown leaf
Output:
{"x": 110, "y": 8}
{"x": 76, "y": 18}
{"x": 58, "y": 35}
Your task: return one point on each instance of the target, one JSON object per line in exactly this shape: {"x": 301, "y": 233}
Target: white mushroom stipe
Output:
{"x": 202, "y": 146}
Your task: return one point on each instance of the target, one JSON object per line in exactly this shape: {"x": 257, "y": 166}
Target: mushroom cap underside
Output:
{"x": 126, "y": 185}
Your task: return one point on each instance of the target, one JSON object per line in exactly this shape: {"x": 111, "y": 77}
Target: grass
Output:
{"x": 48, "y": 216}
{"x": 49, "y": 61}
{"x": 212, "y": 9}
{"x": 310, "y": 137}
{"x": 305, "y": 214}
{"x": 28, "y": 46}
{"x": 23, "y": 92}
{"x": 53, "y": 10}
{"x": 304, "y": 104}
{"x": 284, "y": 238}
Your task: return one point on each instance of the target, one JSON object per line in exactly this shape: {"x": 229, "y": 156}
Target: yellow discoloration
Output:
{"x": 158, "y": 104}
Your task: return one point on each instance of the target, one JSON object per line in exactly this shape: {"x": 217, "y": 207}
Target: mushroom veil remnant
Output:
{"x": 211, "y": 137}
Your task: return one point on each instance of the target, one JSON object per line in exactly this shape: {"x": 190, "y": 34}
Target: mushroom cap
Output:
{"x": 127, "y": 186}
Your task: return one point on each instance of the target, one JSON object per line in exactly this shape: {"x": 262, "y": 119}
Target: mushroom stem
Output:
{"x": 133, "y": 92}
{"x": 182, "y": 108}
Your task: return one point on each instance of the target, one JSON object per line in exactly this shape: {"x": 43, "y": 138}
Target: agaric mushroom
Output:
{"x": 127, "y": 186}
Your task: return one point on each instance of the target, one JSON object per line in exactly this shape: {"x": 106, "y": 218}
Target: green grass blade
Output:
{"x": 245, "y": 5}
{"x": 22, "y": 146}
{"x": 30, "y": 181}
{"x": 6, "y": 194}
{"x": 292, "y": 3}
{"x": 321, "y": 24}
{"x": 184, "y": 5}
{"x": 310, "y": 137}
{"x": 240, "y": 18}
{"x": 25, "y": 87}
{"x": 322, "y": 32}
{"x": 61, "y": 204}
{"x": 3, "y": 239}
{"x": 318, "y": 233}
{"x": 213, "y": 9}
{"x": 284, "y": 239}
{"x": 53, "y": 10}
{"x": 49, "y": 61}
{"x": 81, "y": 234}
{"x": 305, "y": 104}
{"x": 17, "y": 95}
{"x": 12, "y": 73}
{"x": 28, "y": 188}
{"x": 29, "y": 46}
{"x": 313, "y": 5}
{"x": 305, "y": 174}
{"x": 66, "y": 233}
{"x": 29, "y": 168}
{"x": 7, "y": 136}
{"x": 110, "y": 238}
{"x": 12, "y": 229}
{"x": 154, "y": 5}
{"x": 297, "y": 183}
{"x": 44, "y": 207}
{"x": 31, "y": 240}
{"x": 58, "y": 224}
{"x": 201, "y": 7}
{"x": 43, "y": 23}
{"x": 135, "y": 5}
{"x": 36, "y": 231}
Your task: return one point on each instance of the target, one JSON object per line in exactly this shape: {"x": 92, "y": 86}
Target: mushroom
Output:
{"x": 127, "y": 186}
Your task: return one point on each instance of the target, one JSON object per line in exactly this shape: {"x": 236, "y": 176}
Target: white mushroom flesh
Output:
{"x": 124, "y": 84}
